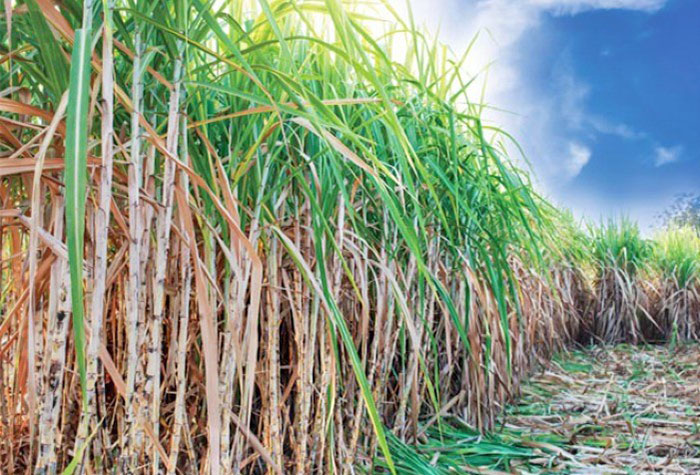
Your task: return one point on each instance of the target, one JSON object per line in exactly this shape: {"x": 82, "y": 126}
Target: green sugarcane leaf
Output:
{"x": 75, "y": 178}
{"x": 52, "y": 62}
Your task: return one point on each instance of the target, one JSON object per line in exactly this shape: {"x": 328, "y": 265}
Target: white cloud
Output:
{"x": 572, "y": 95}
{"x": 604, "y": 126}
{"x": 545, "y": 123}
{"x": 579, "y": 156}
{"x": 571, "y": 7}
{"x": 666, "y": 155}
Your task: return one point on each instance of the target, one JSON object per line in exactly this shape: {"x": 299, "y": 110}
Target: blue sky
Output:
{"x": 604, "y": 95}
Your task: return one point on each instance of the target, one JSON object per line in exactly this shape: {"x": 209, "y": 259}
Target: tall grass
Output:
{"x": 621, "y": 258}
{"x": 645, "y": 290}
{"x": 677, "y": 261}
{"x": 298, "y": 246}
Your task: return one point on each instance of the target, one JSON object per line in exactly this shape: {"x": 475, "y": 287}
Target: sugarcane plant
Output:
{"x": 621, "y": 257}
{"x": 263, "y": 236}
{"x": 676, "y": 259}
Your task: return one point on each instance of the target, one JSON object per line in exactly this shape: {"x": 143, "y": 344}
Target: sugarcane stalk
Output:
{"x": 34, "y": 333}
{"x": 135, "y": 230}
{"x": 164, "y": 220}
{"x": 102, "y": 224}
{"x": 59, "y": 315}
{"x": 273, "y": 323}
{"x": 183, "y": 330}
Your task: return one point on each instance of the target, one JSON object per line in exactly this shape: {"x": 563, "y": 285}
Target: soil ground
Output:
{"x": 623, "y": 409}
{"x": 604, "y": 410}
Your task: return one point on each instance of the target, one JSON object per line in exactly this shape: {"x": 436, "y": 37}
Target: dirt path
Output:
{"x": 623, "y": 409}
{"x": 617, "y": 409}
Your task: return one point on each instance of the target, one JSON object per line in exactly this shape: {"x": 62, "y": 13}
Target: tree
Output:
{"x": 685, "y": 211}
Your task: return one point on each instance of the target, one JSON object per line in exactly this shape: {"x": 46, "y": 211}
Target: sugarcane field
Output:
{"x": 349, "y": 237}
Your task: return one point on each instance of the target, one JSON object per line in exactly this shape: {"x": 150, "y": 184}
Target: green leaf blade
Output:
{"x": 76, "y": 182}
